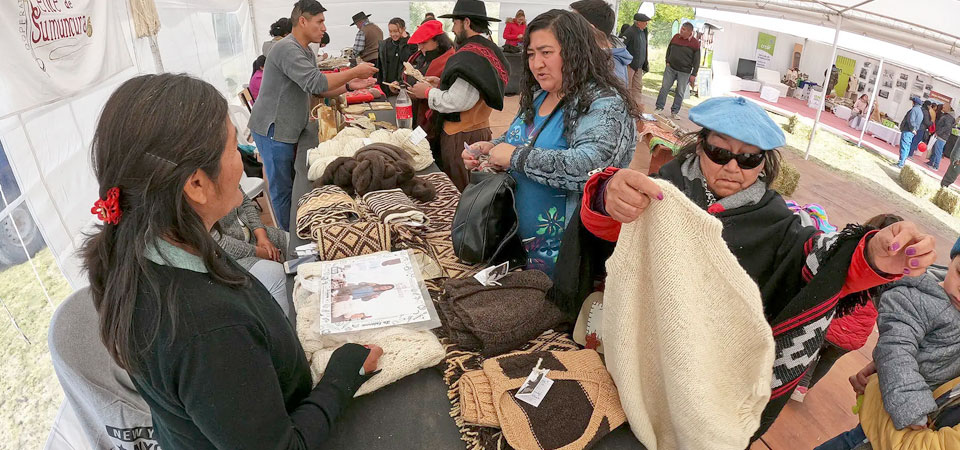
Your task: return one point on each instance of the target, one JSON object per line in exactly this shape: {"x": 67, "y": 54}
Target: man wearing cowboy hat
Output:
{"x": 468, "y": 90}
{"x": 367, "y": 44}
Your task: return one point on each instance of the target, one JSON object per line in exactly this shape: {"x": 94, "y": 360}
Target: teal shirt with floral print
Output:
{"x": 541, "y": 209}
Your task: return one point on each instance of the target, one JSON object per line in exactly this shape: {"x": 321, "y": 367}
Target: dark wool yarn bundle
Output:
{"x": 378, "y": 167}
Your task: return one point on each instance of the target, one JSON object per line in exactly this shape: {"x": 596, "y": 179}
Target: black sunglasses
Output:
{"x": 722, "y": 156}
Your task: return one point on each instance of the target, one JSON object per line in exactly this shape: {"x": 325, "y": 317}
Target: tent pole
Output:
{"x": 873, "y": 98}
{"x": 253, "y": 21}
{"x": 826, "y": 82}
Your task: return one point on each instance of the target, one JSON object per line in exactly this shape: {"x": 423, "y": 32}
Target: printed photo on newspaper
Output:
{"x": 374, "y": 291}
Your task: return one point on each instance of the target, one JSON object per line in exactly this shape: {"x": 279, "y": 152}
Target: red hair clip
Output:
{"x": 108, "y": 210}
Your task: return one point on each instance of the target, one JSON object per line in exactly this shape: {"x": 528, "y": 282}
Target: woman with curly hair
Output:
{"x": 575, "y": 116}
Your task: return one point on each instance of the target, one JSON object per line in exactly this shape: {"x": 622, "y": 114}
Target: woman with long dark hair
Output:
{"x": 434, "y": 48}
{"x": 256, "y": 78}
{"x": 204, "y": 342}
{"x": 575, "y": 116}
{"x": 278, "y": 30}
{"x": 393, "y": 51}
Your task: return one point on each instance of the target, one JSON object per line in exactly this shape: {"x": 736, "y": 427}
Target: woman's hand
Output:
{"x": 471, "y": 157}
{"x": 628, "y": 194}
{"x": 859, "y": 381}
{"x": 901, "y": 249}
{"x": 266, "y": 250}
{"x": 434, "y": 81}
{"x": 419, "y": 90}
{"x": 500, "y": 155}
{"x": 370, "y": 365}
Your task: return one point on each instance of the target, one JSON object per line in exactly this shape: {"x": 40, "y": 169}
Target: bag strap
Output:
{"x": 536, "y": 132}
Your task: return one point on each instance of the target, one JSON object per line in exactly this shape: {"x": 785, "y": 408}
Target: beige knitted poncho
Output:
{"x": 684, "y": 334}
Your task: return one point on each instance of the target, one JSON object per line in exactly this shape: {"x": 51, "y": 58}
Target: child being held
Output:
{"x": 918, "y": 349}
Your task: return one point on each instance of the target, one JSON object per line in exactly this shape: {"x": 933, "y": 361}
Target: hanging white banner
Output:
{"x": 55, "y": 48}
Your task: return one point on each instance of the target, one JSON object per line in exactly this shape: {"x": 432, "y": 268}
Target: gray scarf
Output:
{"x": 749, "y": 196}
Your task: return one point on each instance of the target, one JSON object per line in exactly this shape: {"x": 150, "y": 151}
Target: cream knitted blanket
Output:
{"x": 684, "y": 334}
{"x": 405, "y": 352}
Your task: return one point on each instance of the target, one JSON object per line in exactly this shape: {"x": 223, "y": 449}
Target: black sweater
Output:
{"x": 392, "y": 56}
{"x": 233, "y": 374}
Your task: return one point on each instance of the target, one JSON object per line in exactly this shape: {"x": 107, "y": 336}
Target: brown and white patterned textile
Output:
{"x": 459, "y": 361}
{"x": 393, "y": 206}
{"x": 322, "y": 206}
{"x": 343, "y": 240}
{"x": 582, "y": 388}
{"x": 413, "y": 239}
{"x": 441, "y": 209}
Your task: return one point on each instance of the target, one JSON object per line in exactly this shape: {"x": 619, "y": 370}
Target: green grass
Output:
{"x": 654, "y": 79}
{"x": 29, "y": 391}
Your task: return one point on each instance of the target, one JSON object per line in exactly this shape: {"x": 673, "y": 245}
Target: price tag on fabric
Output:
{"x": 490, "y": 275}
{"x": 535, "y": 387}
{"x": 417, "y": 136}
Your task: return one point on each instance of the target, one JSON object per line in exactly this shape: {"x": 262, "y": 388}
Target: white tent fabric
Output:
{"x": 928, "y": 26}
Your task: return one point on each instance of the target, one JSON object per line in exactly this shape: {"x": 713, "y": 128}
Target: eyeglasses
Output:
{"x": 722, "y": 156}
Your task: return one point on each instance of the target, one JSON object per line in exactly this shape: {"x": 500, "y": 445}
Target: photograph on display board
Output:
{"x": 901, "y": 84}
{"x": 883, "y": 94}
{"x": 373, "y": 291}
{"x": 863, "y": 73}
{"x": 904, "y": 77}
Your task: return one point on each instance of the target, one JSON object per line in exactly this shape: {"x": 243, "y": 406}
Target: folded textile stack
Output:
{"x": 323, "y": 206}
{"x": 393, "y": 206}
{"x": 405, "y": 352}
{"x": 580, "y": 407}
{"x": 497, "y": 319}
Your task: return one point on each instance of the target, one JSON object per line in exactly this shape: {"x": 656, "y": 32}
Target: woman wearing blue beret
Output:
{"x": 805, "y": 277}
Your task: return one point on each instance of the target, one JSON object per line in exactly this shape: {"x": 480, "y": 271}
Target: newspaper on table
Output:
{"x": 372, "y": 291}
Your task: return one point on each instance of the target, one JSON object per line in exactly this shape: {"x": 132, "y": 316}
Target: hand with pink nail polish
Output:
{"x": 901, "y": 249}
{"x": 628, "y": 193}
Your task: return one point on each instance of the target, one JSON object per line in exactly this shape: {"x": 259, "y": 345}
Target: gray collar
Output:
{"x": 166, "y": 254}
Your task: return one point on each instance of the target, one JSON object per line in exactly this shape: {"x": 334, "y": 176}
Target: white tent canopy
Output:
{"x": 929, "y": 26}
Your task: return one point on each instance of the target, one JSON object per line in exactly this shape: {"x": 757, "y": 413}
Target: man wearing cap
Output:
{"x": 282, "y": 109}
{"x": 683, "y": 62}
{"x": 636, "y": 39}
{"x": 469, "y": 89}
{"x": 909, "y": 127}
{"x": 367, "y": 43}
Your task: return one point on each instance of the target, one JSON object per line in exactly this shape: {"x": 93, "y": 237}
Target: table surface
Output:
{"x": 413, "y": 413}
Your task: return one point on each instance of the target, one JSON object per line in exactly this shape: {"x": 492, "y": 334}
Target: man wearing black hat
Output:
{"x": 469, "y": 89}
{"x": 636, "y": 40}
{"x": 367, "y": 44}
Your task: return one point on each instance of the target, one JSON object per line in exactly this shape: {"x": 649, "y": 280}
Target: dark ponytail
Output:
{"x": 154, "y": 133}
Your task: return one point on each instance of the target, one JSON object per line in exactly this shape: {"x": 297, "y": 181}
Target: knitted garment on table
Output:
{"x": 500, "y": 318}
{"x": 412, "y": 238}
{"x": 324, "y": 205}
{"x": 459, "y": 361}
{"x": 393, "y": 206}
{"x": 684, "y": 333}
{"x": 420, "y": 155}
{"x": 405, "y": 352}
{"x": 579, "y": 409}
{"x": 343, "y": 240}
{"x": 376, "y": 167}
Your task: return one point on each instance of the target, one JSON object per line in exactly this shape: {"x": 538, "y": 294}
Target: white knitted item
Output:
{"x": 684, "y": 333}
{"x": 405, "y": 352}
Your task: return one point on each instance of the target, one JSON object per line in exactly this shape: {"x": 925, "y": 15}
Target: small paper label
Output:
{"x": 535, "y": 387}
{"x": 367, "y": 141}
{"x": 418, "y": 135}
{"x": 490, "y": 275}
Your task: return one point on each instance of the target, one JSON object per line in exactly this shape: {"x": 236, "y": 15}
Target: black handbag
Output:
{"x": 485, "y": 228}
